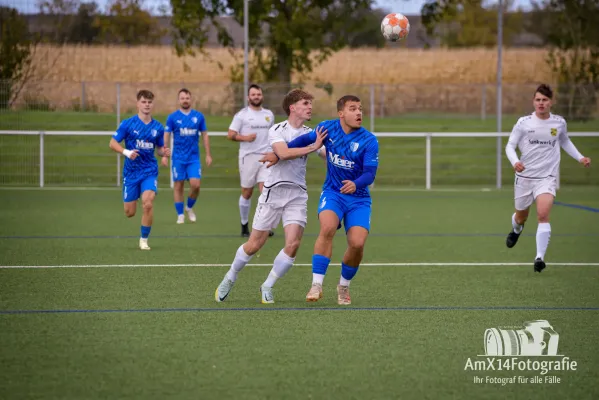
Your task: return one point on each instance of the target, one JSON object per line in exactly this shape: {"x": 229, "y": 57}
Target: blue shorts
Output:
{"x": 132, "y": 192}
{"x": 186, "y": 170}
{"x": 353, "y": 211}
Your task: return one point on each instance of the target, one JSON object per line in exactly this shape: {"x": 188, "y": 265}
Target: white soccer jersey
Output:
{"x": 539, "y": 141}
{"x": 287, "y": 171}
{"x": 249, "y": 121}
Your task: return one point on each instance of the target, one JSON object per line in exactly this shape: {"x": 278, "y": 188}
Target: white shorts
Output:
{"x": 284, "y": 201}
{"x": 526, "y": 190}
{"x": 251, "y": 171}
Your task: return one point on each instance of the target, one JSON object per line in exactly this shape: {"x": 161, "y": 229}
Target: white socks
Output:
{"x": 317, "y": 278}
{"x": 517, "y": 228}
{"x": 244, "y": 209}
{"x": 543, "y": 236}
{"x": 281, "y": 265}
{"x": 240, "y": 261}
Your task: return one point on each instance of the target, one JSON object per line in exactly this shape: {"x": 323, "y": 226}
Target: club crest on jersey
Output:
{"x": 154, "y": 132}
{"x": 267, "y": 118}
{"x": 553, "y": 131}
{"x": 354, "y": 146}
{"x": 194, "y": 120}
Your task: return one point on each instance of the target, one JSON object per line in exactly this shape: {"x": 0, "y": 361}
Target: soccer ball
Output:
{"x": 395, "y": 27}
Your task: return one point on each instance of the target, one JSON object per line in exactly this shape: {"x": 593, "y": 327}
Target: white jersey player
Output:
{"x": 539, "y": 137}
{"x": 284, "y": 197}
{"x": 250, "y": 127}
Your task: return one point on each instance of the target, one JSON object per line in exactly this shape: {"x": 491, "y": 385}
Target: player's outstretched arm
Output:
{"x": 236, "y": 137}
{"x": 206, "y": 140}
{"x": 510, "y": 148}
{"x": 285, "y": 153}
{"x": 117, "y": 148}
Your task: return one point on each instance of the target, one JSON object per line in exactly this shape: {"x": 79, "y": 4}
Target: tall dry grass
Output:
{"x": 361, "y": 66}
{"x": 431, "y": 80}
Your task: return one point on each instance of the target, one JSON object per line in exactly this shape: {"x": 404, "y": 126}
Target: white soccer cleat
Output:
{"x": 190, "y": 214}
{"x": 181, "y": 219}
{"x": 223, "y": 290}
{"x": 315, "y": 292}
{"x": 143, "y": 244}
{"x": 267, "y": 295}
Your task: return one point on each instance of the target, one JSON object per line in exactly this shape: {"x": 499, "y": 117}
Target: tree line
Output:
{"x": 293, "y": 36}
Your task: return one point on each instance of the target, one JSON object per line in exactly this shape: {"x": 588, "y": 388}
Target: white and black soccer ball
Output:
{"x": 395, "y": 27}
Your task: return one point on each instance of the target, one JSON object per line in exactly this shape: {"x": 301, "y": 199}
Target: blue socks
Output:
{"x": 319, "y": 268}
{"x": 145, "y": 231}
{"x": 347, "y": 273}
{"x": 179, "y": 208}
{"x": 190, "y": 202}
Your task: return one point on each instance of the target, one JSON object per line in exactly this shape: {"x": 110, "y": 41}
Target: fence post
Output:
{"x": 118, "y": 104}
{"x": 42, "y": 159}
{"x": 170, "y": 171}
{"x": 499, "y": 154}
{"x": 83, "y": 96}
{"x": 372, "y": 110}
{"x": 118, "y": 169}
{"x": 428, "y": 161}
{"x": 483, "y": 106}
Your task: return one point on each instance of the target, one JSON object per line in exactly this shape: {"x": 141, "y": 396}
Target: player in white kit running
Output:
{"x": 284, "y": 197}
{"x": 250, "y": 127}
{"x": 539, "y": 137}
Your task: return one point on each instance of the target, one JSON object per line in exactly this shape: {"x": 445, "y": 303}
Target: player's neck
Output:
{"x": 296, "y": 122}
{"x": 146, "y": 118}
{"x": 346, "y": 128}
{"x": 542, "y": 115}
{"x": 185, "y": 111}
{"x": 258, "y": 108}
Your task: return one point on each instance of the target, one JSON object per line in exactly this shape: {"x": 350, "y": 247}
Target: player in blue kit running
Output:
{"x": 352, "y": 161}
{"x": 142, "y": 135}
{"x": 185, "y": 125}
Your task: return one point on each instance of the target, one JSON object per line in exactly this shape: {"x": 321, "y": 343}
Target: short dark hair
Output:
{"x": 184, "y": 90}
{"x": 545, "y": 90}
{"x": 293, "y": 97}
{"x": 146, "y": 94}
{"x": 254, "y": 86}
{"x": 345, "y": 99}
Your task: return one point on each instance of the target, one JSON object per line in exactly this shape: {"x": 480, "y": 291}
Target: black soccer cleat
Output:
{"x": 512, "y": 239}
{"x": 271, "y": 233}
{"x": 245, "y": 230}
{"x": 539, "y": 265}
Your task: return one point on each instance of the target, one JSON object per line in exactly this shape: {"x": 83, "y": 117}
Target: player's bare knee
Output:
{"x": 246, "y": 193}
{"x": 543, "y": 218}
{"x": 130, "y": 212}
{"x": 356, "y": 243}
{"x": 292, "y": 246}
{"x": 148, "y": 204}
{"x": 194, "y": 185}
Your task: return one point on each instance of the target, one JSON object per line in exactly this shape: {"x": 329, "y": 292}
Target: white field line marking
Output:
{"x": 427, "y": 264}
{"x": 215, "y": 189}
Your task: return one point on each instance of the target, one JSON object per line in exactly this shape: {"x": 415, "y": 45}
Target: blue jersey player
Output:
{"x": 185, "y": 125}
{"x": 352, "y": 161}
{"x": 142, "y": 135}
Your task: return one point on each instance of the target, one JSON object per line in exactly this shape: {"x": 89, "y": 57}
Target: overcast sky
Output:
{"x": 409, "y": 7}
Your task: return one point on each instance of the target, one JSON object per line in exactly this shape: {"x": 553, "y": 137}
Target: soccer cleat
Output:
{"x": 315, "y": 292}
{"x": 512, "y": 239}
{"x": 245, "y": 230}
{"x": 271, "y": 233}
{"x": 143, "y": 244}
{"x": 343, "y": 298}
{"x": 223, "y": 290}
{"x": 181, "y": 219}
{"x": 190, "y": 214}
{"x": 267, "y": 295}
{"x": 539, "y": 265}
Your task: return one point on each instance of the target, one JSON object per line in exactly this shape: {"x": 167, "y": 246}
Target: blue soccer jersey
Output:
{"x": 186, "y": 129}
{"x": 144, "y": 138}
{"x": 347, "y": 155}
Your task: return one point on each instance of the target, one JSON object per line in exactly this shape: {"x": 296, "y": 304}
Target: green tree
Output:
{"x": 127, "y": 22}
{"x": 469, "y": 23}
{"x": 286, "y": 36}
{"x": 16, "y": 52}
{"x": 571, "y": 30}
{"x": 85, "y": 28}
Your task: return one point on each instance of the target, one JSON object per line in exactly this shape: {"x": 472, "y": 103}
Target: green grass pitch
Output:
{"x": 155, "y": 331}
